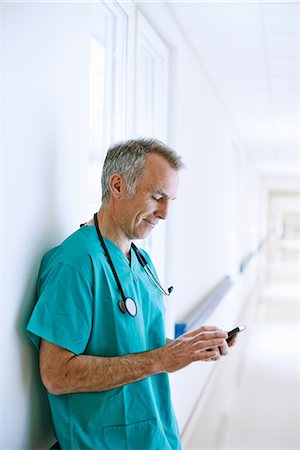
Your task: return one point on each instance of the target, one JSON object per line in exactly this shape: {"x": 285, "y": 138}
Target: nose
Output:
{"x": 163, "y": 208}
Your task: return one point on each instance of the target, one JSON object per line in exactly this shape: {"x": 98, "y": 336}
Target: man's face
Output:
{"x": 156, "y": 188}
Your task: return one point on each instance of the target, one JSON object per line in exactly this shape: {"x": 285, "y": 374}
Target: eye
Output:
{"x": 156, "y": 198}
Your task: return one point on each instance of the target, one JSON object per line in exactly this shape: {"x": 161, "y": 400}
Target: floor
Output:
{"x": 265, "y": 406}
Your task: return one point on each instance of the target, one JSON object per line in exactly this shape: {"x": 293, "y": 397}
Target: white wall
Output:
{"x": 45, "y": 93}
{"x": 214, "y": 221}
{"x": 45, "y": 138}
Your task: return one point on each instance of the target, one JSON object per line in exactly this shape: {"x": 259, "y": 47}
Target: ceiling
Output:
{"x": 249, "y": 51}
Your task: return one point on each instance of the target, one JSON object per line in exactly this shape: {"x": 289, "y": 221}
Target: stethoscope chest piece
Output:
{"x": 128, "y": 305}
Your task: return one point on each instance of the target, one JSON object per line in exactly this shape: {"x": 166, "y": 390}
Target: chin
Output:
{"x": 142, "y": 234}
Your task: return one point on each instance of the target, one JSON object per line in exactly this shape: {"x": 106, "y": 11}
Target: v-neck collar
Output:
{"x": 116, "y": 251}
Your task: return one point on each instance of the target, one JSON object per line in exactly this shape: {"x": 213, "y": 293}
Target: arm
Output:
{"x": 64, "y": 372}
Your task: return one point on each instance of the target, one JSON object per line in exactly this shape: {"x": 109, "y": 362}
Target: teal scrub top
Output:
{"x": 77, "y": 309}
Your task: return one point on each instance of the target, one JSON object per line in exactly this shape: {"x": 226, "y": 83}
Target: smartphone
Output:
{"x": 235, "y": 331}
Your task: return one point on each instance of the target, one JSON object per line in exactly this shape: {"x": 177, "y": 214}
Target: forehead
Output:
{"x": 158, "y": 175}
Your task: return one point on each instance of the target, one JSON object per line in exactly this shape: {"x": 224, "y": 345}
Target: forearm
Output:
{"x": 64, "y": 372}
{"x": 84, "y": 373}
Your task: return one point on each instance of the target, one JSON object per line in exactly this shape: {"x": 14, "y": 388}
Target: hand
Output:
{"x": 202, "y": 344}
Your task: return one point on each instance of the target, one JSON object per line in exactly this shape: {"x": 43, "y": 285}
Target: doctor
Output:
{"x": 99, "y": 319}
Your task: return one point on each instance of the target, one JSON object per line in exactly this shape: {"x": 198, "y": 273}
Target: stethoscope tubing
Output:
{"x": 149, "y": 272}
{"x": 127, "y": 304}
{"x": 108, "y": 256}
{"x": 156, "y": 282}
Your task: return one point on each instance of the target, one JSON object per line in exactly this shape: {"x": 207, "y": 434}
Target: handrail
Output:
{"x": 244, "y": 263}
{"x": 214, "y": 297}
{"x": 205, "y": 307}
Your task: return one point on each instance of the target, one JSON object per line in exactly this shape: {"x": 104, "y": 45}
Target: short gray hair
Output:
{"x": 128, "y": 158}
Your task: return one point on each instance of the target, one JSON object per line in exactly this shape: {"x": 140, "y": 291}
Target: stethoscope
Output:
{"x": 127, "y": 304}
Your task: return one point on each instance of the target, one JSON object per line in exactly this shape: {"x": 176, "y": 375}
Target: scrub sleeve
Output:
{"x": 63, "y": 313}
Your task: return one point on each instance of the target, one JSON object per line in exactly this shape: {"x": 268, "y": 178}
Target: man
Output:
{"x": 99, "y": 318}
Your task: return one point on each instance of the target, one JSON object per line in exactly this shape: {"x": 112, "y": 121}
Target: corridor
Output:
{"x": 217, "y": 81}
{"x": 264, "y": 411}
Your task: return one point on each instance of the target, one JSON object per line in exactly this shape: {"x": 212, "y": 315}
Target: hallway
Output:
{"x": 265, "y": 403}
{"x": 266, "y": 407}
{"x": 218, "y": 82}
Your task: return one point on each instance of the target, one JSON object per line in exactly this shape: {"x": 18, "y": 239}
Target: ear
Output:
{"x": 115, "y": 185}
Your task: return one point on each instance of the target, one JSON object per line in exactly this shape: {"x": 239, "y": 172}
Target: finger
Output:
{"x": 211, "y": 344}
{"x": 223, "y": 349}
{"x": 209, "y": 335}
{"x": 210, "y": 355}
{"x": 217, "y": 357}
{"x": 209, "y": 328}
{"x": 203, "y": 329}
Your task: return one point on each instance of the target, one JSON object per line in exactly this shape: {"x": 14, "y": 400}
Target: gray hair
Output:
{"x": 128, "y": 158}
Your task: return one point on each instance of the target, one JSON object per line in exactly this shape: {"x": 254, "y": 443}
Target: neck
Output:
{"x": 110, "y": 228}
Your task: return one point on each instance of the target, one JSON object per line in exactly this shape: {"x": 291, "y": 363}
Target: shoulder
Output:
{"x": 78, "y": 251}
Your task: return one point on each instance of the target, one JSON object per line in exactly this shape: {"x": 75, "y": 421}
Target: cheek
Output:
{"x": 136, "y": 212}
{"x": 141, "y": 215}
{"x": 145, "y": 208}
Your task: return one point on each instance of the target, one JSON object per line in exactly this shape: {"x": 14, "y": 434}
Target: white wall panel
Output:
{"x": 45, "y": 121}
